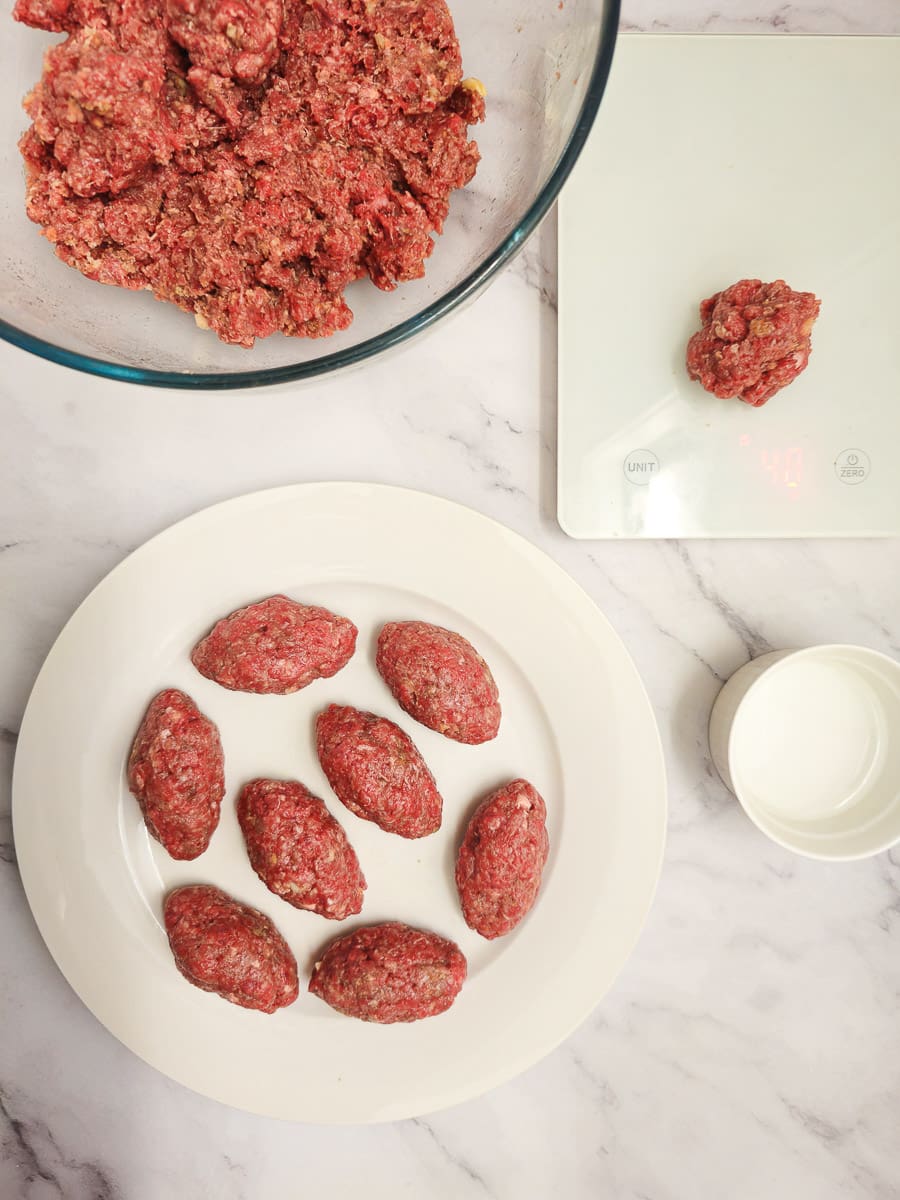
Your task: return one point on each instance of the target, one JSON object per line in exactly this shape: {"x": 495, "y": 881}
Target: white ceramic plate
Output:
{"x": 576, "y": 722}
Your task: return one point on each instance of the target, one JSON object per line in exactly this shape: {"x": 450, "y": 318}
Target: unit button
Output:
{"x": 640, "y": 467}
{"x": 852, "y": 466}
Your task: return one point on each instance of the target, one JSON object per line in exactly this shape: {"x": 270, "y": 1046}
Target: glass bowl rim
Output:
{"x": 397, "y": 335}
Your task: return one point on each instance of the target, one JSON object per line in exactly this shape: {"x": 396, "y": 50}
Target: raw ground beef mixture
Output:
{"x": 440, "y": 679}
{"x": 226, "y": 947}
{"x": 502, "y": 858}
{"x": 299, "y": 850}
{"x": 377, "y": 772}
{"x": 248, "y": 160}
{"x": 755, "y": 340}
{"x": 176, "y": 772}
{"x": 275, "y": 647}
{"x": 388, "y": 973}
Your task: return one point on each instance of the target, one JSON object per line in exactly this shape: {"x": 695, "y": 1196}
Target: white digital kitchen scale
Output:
{"x": 715, "y": 159}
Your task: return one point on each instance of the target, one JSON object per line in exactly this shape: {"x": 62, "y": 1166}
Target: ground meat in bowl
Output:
{"x": 248, "y": 161}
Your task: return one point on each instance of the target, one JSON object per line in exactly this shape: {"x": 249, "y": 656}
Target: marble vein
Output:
{"x": 30, "y": 1146}
{"x": 601, "y": 1087}
{"x": 493, "y": 417}
{"x": 755, "y": 16}
{"x": 536, "y": 265}
{"x": 638, "y": 604}
{"x": 237, "y": 1172}
{"x": 817, "y": 1126}
{"x": 464, "y": 1167}
{"x": 474, "y": 453}
{"x": 753, "y": 642}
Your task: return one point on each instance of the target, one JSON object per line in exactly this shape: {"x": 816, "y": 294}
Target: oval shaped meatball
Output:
{"x": 176, "y": 772}
{"x": 501, "y": 859}
{"x": 275, "y": 647}
{"x": 226, "y": 947}
{"x": 440, "y": 679}
{"x": 299, "y": 850}
{"x": 388, "y": 973}
{"x": 377, "y": 772}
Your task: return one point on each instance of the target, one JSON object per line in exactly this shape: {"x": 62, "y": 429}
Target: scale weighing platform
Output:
{"x": 715, "y": 159}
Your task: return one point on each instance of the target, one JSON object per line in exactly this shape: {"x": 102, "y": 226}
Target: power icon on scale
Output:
{"x": 852, "y": 466}
{"x": 640, "y": 466}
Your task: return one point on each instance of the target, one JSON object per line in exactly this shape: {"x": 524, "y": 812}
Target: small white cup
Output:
{"x": 809, "y": 742}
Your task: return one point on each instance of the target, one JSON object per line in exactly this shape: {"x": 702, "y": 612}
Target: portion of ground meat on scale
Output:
{"x": 248, "y": 161}
{"x": 755, "y": 340}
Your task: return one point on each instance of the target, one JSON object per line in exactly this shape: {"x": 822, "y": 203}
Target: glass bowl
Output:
{"x": 544, "y": 63}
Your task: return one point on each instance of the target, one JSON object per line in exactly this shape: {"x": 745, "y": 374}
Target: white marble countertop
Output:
{"x": 751, "y": 1047}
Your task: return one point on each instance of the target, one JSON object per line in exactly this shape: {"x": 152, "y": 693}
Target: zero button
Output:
{"x": 852, "y": 466}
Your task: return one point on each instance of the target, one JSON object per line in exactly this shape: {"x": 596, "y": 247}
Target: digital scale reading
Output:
{"x": 784, "y": 468}
{"x": 644, "y": 451}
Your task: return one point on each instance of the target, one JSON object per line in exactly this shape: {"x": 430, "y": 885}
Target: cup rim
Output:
{"x": 826, "y": 650}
